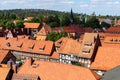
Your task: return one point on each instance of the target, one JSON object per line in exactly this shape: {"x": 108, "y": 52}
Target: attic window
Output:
{"x": 8, "y": 44}
{"x": 86, "y": 50}
{"x": 31, "y": 47}
{"x": 116, "y": 40}
{"x": 111, "y": 40}
{"x": 88, "y": 44}
{"x": 19, "y": 46}
{"x": 42, "y": 48}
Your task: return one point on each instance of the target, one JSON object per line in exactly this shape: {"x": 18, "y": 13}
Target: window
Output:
{"x": 88, "y": 44}
{"x": 8, "y": 44}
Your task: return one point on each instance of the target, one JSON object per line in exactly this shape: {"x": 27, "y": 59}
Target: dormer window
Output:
{"x": 19, "y": 46}
{"x": 42, "y": 48}
{"x": 88, "y": 44}
{"x": 86, "y": 50}
{"x": 31, "y": 47}
{"x": 111, "y": 40}
{"x": 8, "y": 44}
{"x": 116, "y": 40}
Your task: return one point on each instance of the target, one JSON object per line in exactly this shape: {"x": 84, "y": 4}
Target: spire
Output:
{"x": 71, "y": 16}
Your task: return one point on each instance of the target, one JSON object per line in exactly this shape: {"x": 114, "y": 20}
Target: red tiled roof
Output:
{"x": 3, "y": 54}
{"x": 4, "y": 71}
{"x": 55, "y": 55}
{"x": 44, "y": 30}
{"x": 88, "y": 29}
{"x": 106, "y": 58}
{"x": 56, "y": 71}
{"x": 69, "y": 48}
{"x": 31, "y": 25}
{"x": 89, "y": 38}
{"x": 27, "y": 45}
{"x": 113, "y": 30}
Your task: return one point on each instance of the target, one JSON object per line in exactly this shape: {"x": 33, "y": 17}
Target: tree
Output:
{"x": 10, "y": 24}
{"x": 12, "y": 16}
{"x": 40, "y": 18}
{"x": 65, "y": 20}
{"x": 53, "y": 36}
{"x": 19, "y": 24}
{"x": 93, "y": 22}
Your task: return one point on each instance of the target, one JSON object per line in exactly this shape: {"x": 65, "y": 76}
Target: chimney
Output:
{"x": 14, "y": 68}
{"x": 9, "y": 64}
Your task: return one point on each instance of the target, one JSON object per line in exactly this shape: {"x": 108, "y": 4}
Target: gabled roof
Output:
{"x": 27, "y": 45}
{"x": 4, "y": 71}
{"x": 113, "y": 74}
{"x": 61, "y": 41}
{"x": 24, "y": 76}
{"x": 3, "y": 54}
{"x": 56, "y": 71}
{"x": 70, "y": 47}
{"x": 113, "y": 30}
{"x": 44, "y": 30}
{"x": 31, "y": 25}
{"x": 55, "y": 55}
{"x": 88, "y": 45}
{"x": 106, "y": 58}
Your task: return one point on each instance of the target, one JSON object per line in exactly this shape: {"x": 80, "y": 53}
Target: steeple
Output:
{"x": 71, "y": 17}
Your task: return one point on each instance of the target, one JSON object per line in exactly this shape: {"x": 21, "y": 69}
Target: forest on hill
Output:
{"x": 51, "y": 17}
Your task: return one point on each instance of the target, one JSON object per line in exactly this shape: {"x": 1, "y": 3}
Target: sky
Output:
{"x": 102, "y": 7}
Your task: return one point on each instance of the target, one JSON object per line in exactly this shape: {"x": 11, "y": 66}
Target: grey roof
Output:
{"x": 113, "y": 74}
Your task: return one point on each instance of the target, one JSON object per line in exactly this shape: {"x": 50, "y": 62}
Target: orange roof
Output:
{"x": 3, "y": 54}
{"x": 24, "y": 76}
{"x": 69, "y": 48}
{"x": 44, "y": 30}
{"x": 61, "y": 41}
{"x": 113, "y": 30}
{"x": 89, "y": 39}
{"x": 106, "y": 58}
{"x": 55, "y": 55}
{"x": 4, "y": 71}
{"x": 31, "y": 25}
{"x": 56, "y": 71}
{"x": 27, "y": 45}
{"x": 88, "y": 29}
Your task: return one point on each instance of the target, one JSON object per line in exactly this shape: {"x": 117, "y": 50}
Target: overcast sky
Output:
{"x": 103, "y": 7}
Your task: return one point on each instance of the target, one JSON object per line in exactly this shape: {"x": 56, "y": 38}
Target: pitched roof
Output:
{"x": 61, "y": 41}
{"x": 58, "y": 71}
{"x": 88, "y": 45}
{"x": 88, "y": 29}
{"x": 55, "y": 55}
{"x": 69, "y": 48}
{"x": 106, "y": 58}
{"x": 113, "y": 29}
{"x": 24, "y": 76}
{"x": 3, "y": 54}
{"x": 44, "y": 30}
{"x": 4, "y": 71}
{"x": 113, "y": 74}
{"x": 27, "y": 45}
{"x": 31, "y": 25}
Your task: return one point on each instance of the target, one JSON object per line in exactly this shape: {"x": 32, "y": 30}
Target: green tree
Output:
{"x": 12, "y": 16}
{"x": 40, "y": 17}
{"x": 19, "y": 24}
{"x": 53, "y": 36}
{"x": 10, "y": 24}
{"x": 65, "y": 20}
{"x": 93, "y": 22}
